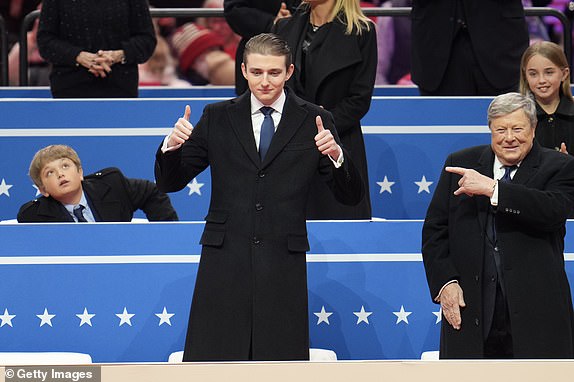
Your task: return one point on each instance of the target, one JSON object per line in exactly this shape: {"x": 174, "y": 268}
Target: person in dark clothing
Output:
{"x": 105, "y": 196}
{"x": 467, "y": 47}
{"x": 95, "y": 46}
{"x": 248, "y": 18}
{"x": 263, "y": 149}
{"x": 493, "y": 243}
{"x": 545, "y": 76}
{"x": 335, "y": 54}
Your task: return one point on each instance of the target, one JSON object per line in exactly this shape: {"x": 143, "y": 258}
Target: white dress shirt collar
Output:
{"x": 277, "y": 105}
{"x": 87, "y": 211}
{"x": 498, "y": 169}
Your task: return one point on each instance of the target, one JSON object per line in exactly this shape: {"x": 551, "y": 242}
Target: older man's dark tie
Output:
{"x": 507, "y": 171}
{"x": 267, "y": 131}
{"x": 79, "y": 214}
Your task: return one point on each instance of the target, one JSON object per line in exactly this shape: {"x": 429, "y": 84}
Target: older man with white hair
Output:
{"x": 493, "y": 243}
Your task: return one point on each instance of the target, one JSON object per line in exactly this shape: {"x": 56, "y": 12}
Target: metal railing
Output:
{"x": 4, "y": 53}
{"x": 218, "y": 12}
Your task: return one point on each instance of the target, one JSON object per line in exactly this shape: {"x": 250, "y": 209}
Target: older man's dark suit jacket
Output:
{"x": 250, "y": 298}
{"x": 530, "y": 221}
{"x": 112, "y": 198}
{"x": 497, "y": 30}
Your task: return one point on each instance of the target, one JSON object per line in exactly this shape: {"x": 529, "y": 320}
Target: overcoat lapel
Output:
{"x": 294, "y": 113}
{"x": 295, "y": 37}
{"x": 485, "y": 167}
{"x": 102, "y": 207}
{"x": 529, "y": 166}
{"x": 331, "y": 60}
{"x": 239, "y": 113}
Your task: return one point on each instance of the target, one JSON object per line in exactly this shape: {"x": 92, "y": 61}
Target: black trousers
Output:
{"x": 498, "y": 343}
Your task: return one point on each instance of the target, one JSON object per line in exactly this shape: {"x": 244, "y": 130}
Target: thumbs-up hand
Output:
{"x": 181, "y": 130}
{"x": 325, "y": 141}
{"x": 563, "y": 148}
{"x": 283, "y": 12}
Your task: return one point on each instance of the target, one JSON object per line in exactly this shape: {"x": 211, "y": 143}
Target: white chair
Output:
{"x": 322, "y": 355}
{"x": 44, "y": 358}
{"x": 315, "y": 355}
{"x": 430, "y": 355}
{"x": 176, "y": 356}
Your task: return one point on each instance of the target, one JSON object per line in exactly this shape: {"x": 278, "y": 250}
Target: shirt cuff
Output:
{"x": 494, "y": 197}
{"x": 165, "y": 149}
{"x": 339, "y": 162}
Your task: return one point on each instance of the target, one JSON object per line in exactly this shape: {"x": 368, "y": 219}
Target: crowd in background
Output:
{"x": 202, "y": 51}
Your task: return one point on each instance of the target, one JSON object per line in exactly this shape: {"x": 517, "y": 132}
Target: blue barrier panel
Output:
{"x": 196, "y": 91}
{"x": 144, "y": 92}
{"x": 407, "y": 140}
{"x": 122, "y": 292}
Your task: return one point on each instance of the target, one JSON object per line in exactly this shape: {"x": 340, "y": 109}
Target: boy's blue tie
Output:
{"x": 79, "y": 214}
{"x": 267, "y": 131}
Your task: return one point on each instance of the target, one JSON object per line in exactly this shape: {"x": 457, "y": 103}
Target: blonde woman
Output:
{"x": 335, "y": 55}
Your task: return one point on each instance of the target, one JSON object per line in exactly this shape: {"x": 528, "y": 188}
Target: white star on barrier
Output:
{"x": 385, "y": 186}
{"x": 45, "y": 318}
{"x": 424, "y": 185}
{"x": 6, "y": 318}
{"x": 5, "y": 187}
{"x": 438, "y": 315}
{"x": 164, "y": 317}
{"x": 85, "y": 318}
{"x": 362, "y": 316}
{"x": 402, "y": 315}
{"x": 125, "y": 317}
{"x": 323, "y": 316}
{"x": 195, "y": 187}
